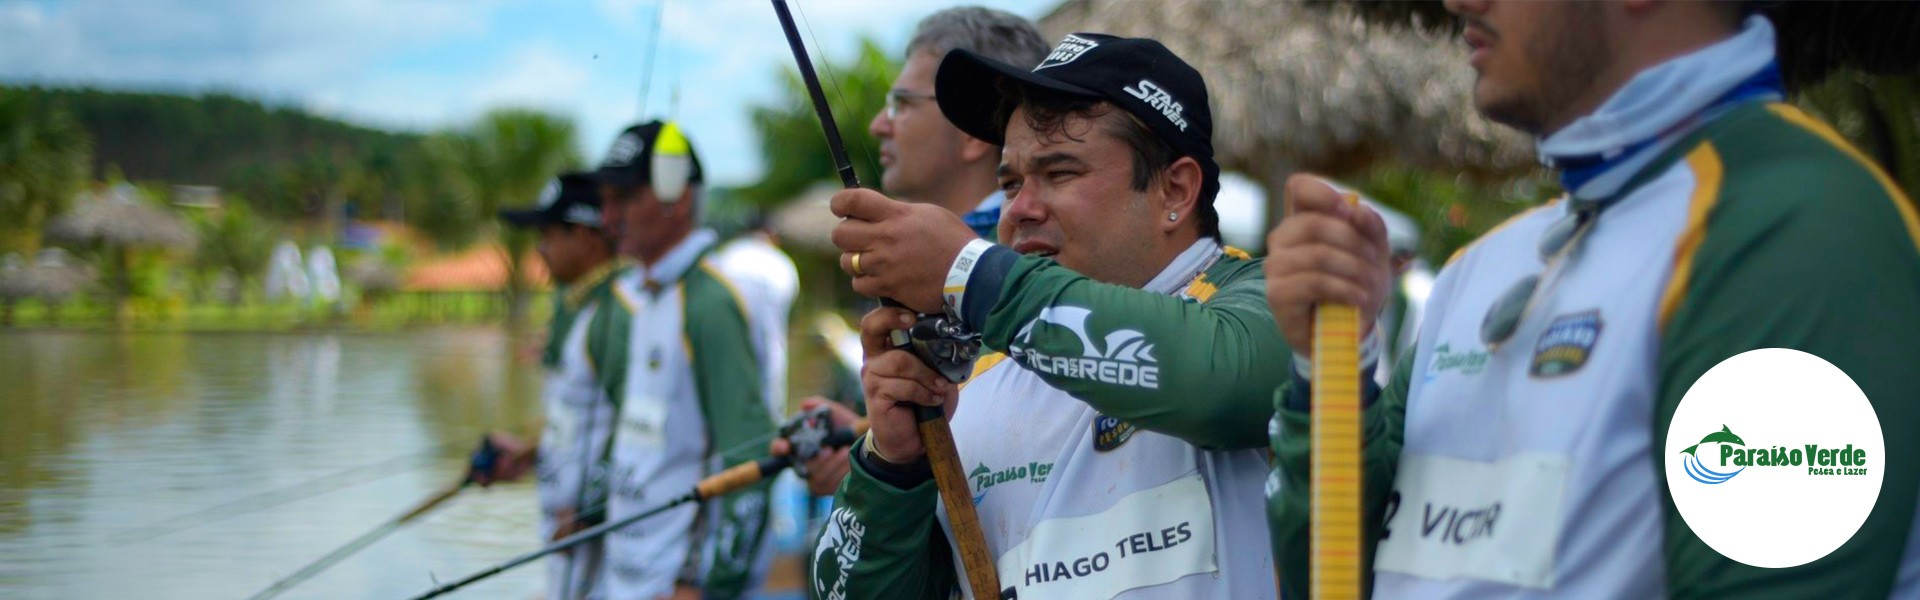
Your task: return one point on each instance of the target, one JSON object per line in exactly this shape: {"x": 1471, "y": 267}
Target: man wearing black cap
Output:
{"x": 1116, "y": 455}
{"x": 924, "y": 158}
{"x": 690, "y": 390}
{"x": 579, "y": 414}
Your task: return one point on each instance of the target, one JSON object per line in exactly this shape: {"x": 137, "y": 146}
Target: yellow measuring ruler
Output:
{"x": 1336, "y": 481}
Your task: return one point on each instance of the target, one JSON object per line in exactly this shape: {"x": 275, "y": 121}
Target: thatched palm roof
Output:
{"x": 807, "y": 221}
{"x": 118, "y": 218}
{"x": 1816, "y": 37}
{"x": 50, "y": 276}
{"x": 1316, "y": 88}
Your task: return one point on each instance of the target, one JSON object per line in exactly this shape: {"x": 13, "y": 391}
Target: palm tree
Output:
{"x": 233, "y": 239}
{"x": 45, "y": 157}
{"x": 505, "y": 159}
{"x": 791, "y": 143}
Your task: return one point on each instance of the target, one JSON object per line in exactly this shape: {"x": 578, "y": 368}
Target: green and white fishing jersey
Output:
{"x": 1533, "y": 469}
{"x": 690, "y": 391}
{"x": 768, "y": 282}
{"x": 579, "y": 420}
{"x": 1111, "y": 446}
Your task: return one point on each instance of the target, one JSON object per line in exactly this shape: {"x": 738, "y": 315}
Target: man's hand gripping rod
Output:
{"x": 944, "y": 344}
{"x": 809, "y": 432}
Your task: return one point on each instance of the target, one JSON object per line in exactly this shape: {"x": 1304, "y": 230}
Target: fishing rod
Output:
{"x": 482, "y": 461}
{"x": 1335, "y": 499}
{"x": 942, "y": 343}
{"x": 810, "y": 432}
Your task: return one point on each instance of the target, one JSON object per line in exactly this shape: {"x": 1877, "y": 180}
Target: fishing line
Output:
{"x": 827, "y": 66}
{"x": 279, "y": 497}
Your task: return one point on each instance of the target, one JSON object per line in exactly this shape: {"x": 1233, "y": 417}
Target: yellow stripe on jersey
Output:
{"x": 626, "y": 299}
{"x": 1201, "y": 289}
{"x": 1903, "y": 204}
{"x": 1704, "y": 161}
{"x": 980, "y": 366}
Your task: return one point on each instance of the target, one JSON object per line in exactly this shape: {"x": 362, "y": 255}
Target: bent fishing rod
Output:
{"x": 482, "y": 461}
{"x": 942, "y": 343}
{"x": 810, "y": 432}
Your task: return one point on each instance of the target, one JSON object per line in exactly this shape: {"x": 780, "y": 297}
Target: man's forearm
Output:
{"x": 881, "y": 541}
{"x": 1201, "y": 369}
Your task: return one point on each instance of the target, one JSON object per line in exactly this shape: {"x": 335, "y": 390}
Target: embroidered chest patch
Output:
{"x": 1110, "y": 433}
{"x": 1566, "y": 344}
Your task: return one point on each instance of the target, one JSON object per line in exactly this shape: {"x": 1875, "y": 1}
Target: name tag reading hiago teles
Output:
{"x": 1148, "y": 538}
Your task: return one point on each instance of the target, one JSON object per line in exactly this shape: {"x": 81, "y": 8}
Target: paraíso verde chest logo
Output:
{"x": 1445, "y": 359}
{"x": 1733, "y": 453}
{"x": 1800, "y": 475}
{"x": 984, "y": 477}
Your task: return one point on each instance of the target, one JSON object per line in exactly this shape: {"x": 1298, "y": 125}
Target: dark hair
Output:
{"x": 1047, "y": 113}
{"x": 995, "y": 34}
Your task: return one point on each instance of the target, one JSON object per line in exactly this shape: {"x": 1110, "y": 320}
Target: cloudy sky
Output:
{"x": 422, "y": 64}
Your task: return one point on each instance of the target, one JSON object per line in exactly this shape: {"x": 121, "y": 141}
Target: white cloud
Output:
{"x": 271, "y": 47}
{"x": 425, "y": 64}
{"x": 538, "y": 75}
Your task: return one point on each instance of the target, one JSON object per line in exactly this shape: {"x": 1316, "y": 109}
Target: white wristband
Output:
{"x": 955, "y": 291}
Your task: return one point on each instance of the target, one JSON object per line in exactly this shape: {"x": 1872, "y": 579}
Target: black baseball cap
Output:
{"x": 629, "y": 161}
{"x": 568, "y": 199}
{"x": 1139, "y": 75}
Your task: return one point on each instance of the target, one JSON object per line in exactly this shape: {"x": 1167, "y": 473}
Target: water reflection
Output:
{"x": 207, "y": 466}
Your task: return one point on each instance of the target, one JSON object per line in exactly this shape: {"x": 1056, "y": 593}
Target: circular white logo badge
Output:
{"x": 1774, "y": 458}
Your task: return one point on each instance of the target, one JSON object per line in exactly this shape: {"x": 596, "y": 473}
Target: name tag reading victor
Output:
{"x": 1449, "y": 518}
{"x": 1150, "y": 537}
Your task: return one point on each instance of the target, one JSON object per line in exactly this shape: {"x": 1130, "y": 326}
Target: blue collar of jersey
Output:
{"x": 1598, "y": 153}
{"x": 985, "y": 218}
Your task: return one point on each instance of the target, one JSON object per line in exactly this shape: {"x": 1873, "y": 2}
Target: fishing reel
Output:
{"x": 480, "y": 463}
{"x": 809, "y": 432}
{"x": 942, "y": 342}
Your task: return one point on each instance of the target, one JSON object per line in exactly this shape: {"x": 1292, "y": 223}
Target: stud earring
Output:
{"x": 1173, "y": 216}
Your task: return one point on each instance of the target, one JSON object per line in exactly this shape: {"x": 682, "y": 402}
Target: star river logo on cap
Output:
{"x": 624, "y": 149}
{"x": 549, "y": 195}
{"x": 1160, "y": 100}
{"x": 1070, "y": 48}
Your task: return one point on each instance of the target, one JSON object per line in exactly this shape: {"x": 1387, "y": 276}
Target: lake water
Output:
{"x": 172, "y": 465}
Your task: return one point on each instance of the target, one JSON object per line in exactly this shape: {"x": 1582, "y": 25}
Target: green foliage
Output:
{"x": 1877, "y": 113}
{"x": 44, "y": 160}
{"x": 218, "y": 139}
{"x": 233, "y": 240}
{"x": 1453, "y": 210}
{"x": 439, "y": 200}
{"x": 792, "y": 146}
{"x": 504, "y": 160}
{"x": 509, "y": 155}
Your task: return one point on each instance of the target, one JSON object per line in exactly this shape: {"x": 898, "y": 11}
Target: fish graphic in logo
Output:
{"x": 983, "y": 477}
{"x": 1699, "y": 472}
